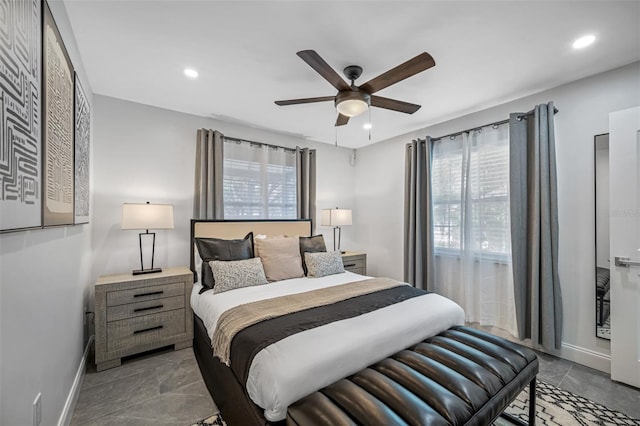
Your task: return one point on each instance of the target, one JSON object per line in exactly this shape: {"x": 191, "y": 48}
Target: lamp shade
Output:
{"x": 147, "y": 216}
{"x": 335, "y": 217}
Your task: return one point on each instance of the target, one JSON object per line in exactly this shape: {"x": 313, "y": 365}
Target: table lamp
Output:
{"x": 336, "y": 217}
{"x": 147, "y": 216}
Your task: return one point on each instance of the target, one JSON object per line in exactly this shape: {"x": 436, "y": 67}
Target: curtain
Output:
{"x": 306, "y": 183}
{"x": 469, "y": 179}
{"x": 534, "y": 226}
{"x": 207, "y": 200}
{"x": 418, "y": 216}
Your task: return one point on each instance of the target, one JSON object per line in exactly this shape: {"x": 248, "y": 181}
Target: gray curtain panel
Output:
{"x": 207, "y": 200}
{"x": 419, "y": 257}
{"x": 306, "y": 181}
{"x": 534, "y": 226}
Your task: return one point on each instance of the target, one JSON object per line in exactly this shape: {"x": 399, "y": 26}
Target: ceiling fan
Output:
{"x": 352, "y": 100}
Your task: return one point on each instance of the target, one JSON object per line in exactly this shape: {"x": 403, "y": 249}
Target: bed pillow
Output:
{"x": 233, "y": 274}
{"x": 280, "y": 258}
{"x": 219, "y": 249}
{"x": 312, "y": 244}
{"x": 322, "y": 264}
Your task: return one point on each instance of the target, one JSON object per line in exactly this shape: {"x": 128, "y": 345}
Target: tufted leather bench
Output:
{"x": 462, "y": 376}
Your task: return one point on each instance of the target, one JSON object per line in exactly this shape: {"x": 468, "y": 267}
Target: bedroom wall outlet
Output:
{"x": 37, "y": 410}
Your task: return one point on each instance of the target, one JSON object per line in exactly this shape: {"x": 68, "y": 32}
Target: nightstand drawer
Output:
{"x": 154, "y": 306}
{"x": 121, "y": 297}
{"x": 129, "y": 333}
{"x": 355, "y": 262}
{"x": 351, "y": 263}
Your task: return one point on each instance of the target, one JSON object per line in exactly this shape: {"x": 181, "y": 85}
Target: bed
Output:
{"x": 258, "y": 388}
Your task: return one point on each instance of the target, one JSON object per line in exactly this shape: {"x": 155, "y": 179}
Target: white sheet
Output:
{"x": 300, "y": 364}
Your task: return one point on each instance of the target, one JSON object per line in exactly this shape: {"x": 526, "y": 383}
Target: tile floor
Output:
{"x": 166, "y": 388}
{"x": 163, "y": 388}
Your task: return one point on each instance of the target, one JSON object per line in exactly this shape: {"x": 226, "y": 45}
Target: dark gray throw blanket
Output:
{"x": 247, "y": 343}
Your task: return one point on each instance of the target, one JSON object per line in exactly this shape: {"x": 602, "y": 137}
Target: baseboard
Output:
{"x": 587, "y": 357}
{"x": 580, "y": 355}
{"x": 72, "y": 398}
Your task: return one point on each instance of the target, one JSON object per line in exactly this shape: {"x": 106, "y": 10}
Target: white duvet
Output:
{"x": 300, "y": 364}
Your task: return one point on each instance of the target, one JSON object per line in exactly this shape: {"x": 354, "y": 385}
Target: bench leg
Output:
{"x": 532, "y": 402}
{"x": 532, "y": 408}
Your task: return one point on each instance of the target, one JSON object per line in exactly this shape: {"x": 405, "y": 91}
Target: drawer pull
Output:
{"x": 149, "y": 308}
{"x": 158, "y": 327}
{"x": 349, "y": 265}
{"x": 153, "y": 293}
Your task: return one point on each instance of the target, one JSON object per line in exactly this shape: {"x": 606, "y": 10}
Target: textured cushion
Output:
{"x": 280, "y": 258}
{"x": 312, "y": 244}
{"x": 323, "y": 264}
{"x": 230, "y": 275}
{"x": 218, "y": 249}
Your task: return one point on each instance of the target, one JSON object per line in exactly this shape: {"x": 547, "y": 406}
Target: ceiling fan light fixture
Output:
{"x": 351, "y": 103}
{"x": 352, "y": 107}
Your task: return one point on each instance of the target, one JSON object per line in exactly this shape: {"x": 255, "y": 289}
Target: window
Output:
{"x": 470, "y": 184}
{"x": 259, "y": 181}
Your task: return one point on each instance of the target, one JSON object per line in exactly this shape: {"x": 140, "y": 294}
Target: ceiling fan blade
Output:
{"x": 305, "y": 100}
{"x": 405, "y": 70}
{"x": 342, "y": 120}
{"x": 317, "y": 63}
{"x": 406, "y": 107}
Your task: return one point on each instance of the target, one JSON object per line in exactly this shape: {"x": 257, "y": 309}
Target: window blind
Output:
{"x": 259, "y": 182}
{"x": 485, "y": 190}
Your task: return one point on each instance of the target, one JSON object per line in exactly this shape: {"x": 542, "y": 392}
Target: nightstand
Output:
{"x": 355, "y": 262}
{"x": 136, "y": 313}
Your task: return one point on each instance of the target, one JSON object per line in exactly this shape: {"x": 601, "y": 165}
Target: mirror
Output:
{"x": 602, "y": 284}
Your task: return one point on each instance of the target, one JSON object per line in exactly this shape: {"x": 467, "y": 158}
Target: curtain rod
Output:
{"x": 497, "y": 123}
{"x": 228, "y": 138}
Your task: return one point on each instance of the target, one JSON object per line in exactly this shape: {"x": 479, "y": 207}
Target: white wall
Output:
{"x": 584, "y": 107}
{"x": 146, "y": 153}
{"x": 44, "y": 286}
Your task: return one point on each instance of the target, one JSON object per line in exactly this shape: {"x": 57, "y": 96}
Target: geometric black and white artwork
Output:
{"x": 81, "y": 158}
{"x": 58, "y": 133}
{"x": 20, "y": 114}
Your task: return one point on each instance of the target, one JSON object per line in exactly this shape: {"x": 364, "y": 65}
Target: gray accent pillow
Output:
{"x": 233, "y": 274}
{"x": 312, "y": 244}
{"x": 323, "y": 263}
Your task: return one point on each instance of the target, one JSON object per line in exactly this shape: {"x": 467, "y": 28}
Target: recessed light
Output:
{"x": 584, "y": 41}
{"x": 191, "y": 73}
{"x": 366, "y": 126}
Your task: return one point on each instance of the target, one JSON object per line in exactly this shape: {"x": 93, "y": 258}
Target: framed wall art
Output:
{"x": 81, "y": 156}
{"x": 58, "y": 127}
{"x": 20, "y": 116}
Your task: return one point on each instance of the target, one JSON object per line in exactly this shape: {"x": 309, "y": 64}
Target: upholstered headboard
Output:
{"x": 235, "y": 229}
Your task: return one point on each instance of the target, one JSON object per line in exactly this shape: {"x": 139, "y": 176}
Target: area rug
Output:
{"x": 554, "y": 407}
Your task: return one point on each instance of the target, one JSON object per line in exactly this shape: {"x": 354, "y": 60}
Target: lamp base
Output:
{"x": 146, "y": 271}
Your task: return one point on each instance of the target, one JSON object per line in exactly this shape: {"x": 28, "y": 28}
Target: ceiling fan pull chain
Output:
{"x": 370, "y": 124}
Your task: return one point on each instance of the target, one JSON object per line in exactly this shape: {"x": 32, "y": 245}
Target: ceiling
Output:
{"x": 486, "y": 53}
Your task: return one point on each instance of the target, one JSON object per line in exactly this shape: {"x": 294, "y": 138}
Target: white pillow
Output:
{"x": 321, "y": 264}
{"x": 233, "y": 274}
